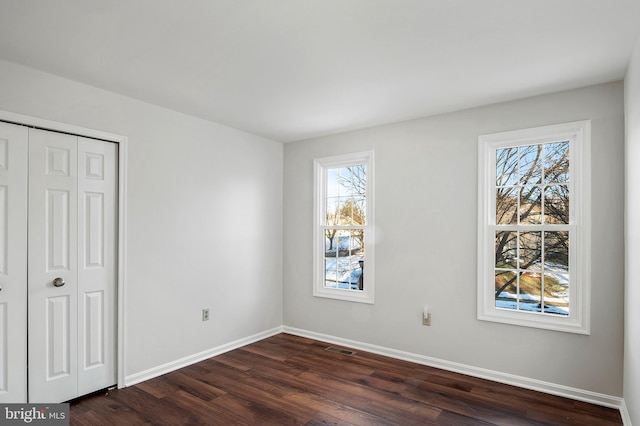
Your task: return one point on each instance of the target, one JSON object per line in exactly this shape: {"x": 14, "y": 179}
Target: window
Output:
{"x": 343, "y": 235}
{"x": 534, "y": 227}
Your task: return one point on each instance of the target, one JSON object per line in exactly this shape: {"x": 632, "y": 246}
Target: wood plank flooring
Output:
{"x": 290, "y": 380}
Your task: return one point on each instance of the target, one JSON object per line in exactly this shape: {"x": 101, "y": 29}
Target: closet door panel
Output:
{"x": 13, "y": 263}
{"x": 53, "y": 267}
{"x": 97, "y": 223}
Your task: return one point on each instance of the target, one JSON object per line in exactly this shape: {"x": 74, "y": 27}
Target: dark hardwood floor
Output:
{"x": 287, "y": 379}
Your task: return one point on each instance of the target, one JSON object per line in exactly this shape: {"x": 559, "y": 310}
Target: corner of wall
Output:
{"x": 631, "y": 363}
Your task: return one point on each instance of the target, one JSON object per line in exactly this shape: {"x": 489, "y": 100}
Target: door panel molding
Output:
{"x": 58, "y": 340}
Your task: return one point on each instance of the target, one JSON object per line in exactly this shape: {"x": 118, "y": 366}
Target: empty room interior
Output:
{"x": 221, "y": 186}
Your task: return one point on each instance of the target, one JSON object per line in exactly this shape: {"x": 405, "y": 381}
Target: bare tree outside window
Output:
{"x": 344, "y": 226}
{"x": 532, "y": 266}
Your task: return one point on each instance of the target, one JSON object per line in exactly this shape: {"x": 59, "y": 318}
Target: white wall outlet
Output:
{"x": 205, "y": 314}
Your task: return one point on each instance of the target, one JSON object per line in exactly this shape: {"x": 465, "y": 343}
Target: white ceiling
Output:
{"x": 294, "y": 69}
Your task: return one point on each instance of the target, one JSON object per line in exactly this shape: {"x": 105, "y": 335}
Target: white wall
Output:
{"x": 632, "y": 243}
{"x": 204, "y": 217}
{"x": 426, "y": 217}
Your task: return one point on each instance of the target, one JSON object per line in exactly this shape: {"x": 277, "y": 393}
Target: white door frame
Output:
{"x": 122, "y": 216}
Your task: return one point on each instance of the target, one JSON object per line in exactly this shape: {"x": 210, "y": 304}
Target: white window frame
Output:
{"x": 579, "y": 136}
{"x": 321, "y": 165}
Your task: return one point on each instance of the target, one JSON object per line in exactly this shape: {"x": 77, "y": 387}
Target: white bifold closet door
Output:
{"x": 65, "y": 264}
{"x": 72, "y": 265}
{"x": 14, "y": 157}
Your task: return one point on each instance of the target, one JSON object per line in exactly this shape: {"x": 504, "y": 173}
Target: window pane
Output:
{"x": 357, "y": 259}
{"x": 556, "y": 293}
{"x": 531, "y": 250}
{"x": 335, "y": 247}
{"x": 530, "y": 291}
{"x": 345, "y": 215}
{"x": 506, "y": 250}
{"x": 356, "y": 280}
{"x": 556, "y": 204}
{"x": 330, "y": 272}
{"x": 556, "y": 250}
{"x": 332, "y": 183}
{"x": 506, "y": 285}
{"x": 359, "y": 210}
{"x": 351, "y": 212}
{"x": 359, "y": 180}
{"x": 330, "y": 243}
{"x": 556, "y": 278}
{"x": 346, "y": 181}
{"x": 530, "y": 164}
{"x": 342, "y": 242}
{"x": 531, "y": 205}
{"x": 507, "y": 206}
{"x": 357, "y": 241}
{"x": 556, "y": 162}
{"x": 344, "y": 273}
{"x": 507, "y": 167}
{"x": 333, "y": 213}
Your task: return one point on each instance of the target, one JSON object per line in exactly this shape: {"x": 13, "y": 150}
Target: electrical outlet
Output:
{"x": 427, "y": 320}
{"x": 205, "y": 314}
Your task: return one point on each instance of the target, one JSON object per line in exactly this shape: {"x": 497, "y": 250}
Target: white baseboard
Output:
{"x": 626, "y": 419}
{"x": 496, "y": 376}
{"x": 201, "y": 356}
